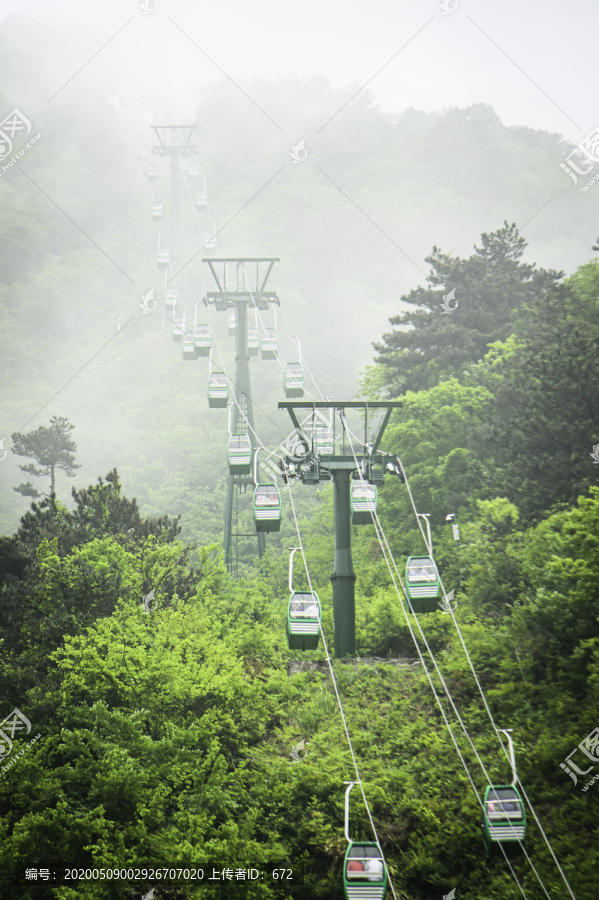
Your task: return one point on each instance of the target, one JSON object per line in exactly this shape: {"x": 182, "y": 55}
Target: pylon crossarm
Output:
{"x": 382, "y": 427}
{"x": 294, "y": 419}
{"x": 340, "y": 404}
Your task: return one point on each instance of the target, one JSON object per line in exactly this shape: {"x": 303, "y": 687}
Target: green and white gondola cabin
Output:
{"x": 253, "y": 343}
{"x": 163, "y": 259}
{"x": 293, "y": 380}
{"x": 364, "y": 876}
{"x": 267, "y": 507}
{"x": 269, "y": 343}
{"x": 504, "y": 816}
{"x": 363, "y": 503}
{"x": 157, "y": 212}
{"x": 422, "y": 583}
{"x": 232, "y": 320}
{"x": 152, "y": 172}
{"x": 324, "y": 441}
{"x": 201, "y": 200}
{"x": 189, "y": 350}
{"x": 240, "y": 454}
{"x": 218, "y": 390}
{"x": 203, "y": 340}
{"x": 303, "y": 621}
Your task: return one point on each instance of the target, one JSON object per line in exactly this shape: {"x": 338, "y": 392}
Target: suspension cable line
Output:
{"x": 340, "y": 705}
{"x": 304, "y": 363}
{"x": 484, "y": 699}
{"x": 378, "y": 528}
{"x": 328, "y": 657}
{"x": 386, "y": 550}
{"x": 281, "y": 362}
{"x": 204, "y": 234}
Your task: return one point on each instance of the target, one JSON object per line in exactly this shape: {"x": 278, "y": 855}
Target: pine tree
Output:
{"x": 52, "y": 448}
{"x": 469, "y": 304}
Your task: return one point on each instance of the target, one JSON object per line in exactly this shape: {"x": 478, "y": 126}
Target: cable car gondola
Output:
{"x": 201, "y": 200}
{"x": 203, "y": 339}
{"x": 293, "y": 380}
{"x": 218, "y": 390}
{"x": 269, "y": 343}
{"x": 192, "y": 172}
{"x": 324, "y": 442}
{"x": 189, "y": 350}
{"x": 364, "y": 872}
{"x": 363, "y": 503}
{"x": 240, "y": 454}
{"x": 422, "y": 583}
{"x": 504, "y": 817}
{"x": 163, "y": 258}
{"x": 303, "y": 621}
{"x": 253, "y": 343}
{"x": 267, "y": 507}
{"x": 303, "y": 615}
{"x": 152, "y": 172}
{"x": 232, "y": 320}
{"x": 157, "y": 212}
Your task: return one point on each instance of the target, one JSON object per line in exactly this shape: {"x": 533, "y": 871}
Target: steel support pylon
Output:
{"x": 343, "y": 577}
{"x": 242, "y": 388}
{"x": 317, "y": 465}
{"x": 240, "y": 296}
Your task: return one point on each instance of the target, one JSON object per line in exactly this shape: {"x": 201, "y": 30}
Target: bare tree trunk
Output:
{"x": 52, "y": 482}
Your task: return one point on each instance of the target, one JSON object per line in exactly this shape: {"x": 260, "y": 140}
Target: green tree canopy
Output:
{"x": 100, "y": 510}
{"x": 430, "y": 343}
{"x": 52, "y": 448}
{"x": 544, "y": 419}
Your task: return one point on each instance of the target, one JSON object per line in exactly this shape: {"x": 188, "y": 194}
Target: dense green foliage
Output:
{"x": 166, "y": 738}
{"x": 520, "y": 422}
{"x": 488, "y": 288}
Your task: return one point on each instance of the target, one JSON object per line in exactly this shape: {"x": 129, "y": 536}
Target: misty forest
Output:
{"x": 173, "y": 698}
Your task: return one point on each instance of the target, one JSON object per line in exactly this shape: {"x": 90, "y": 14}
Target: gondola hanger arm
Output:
{"x": 256, "y": 452}
{"x": 429, "y": 540}
{"x": 350, "y": 785}
{"x": 507, "y": 732}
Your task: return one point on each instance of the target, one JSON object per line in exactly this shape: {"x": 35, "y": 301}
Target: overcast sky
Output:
{"x": 532, "y": 61}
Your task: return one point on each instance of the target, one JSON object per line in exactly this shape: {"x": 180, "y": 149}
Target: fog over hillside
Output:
{"x": 419, "y": 127}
